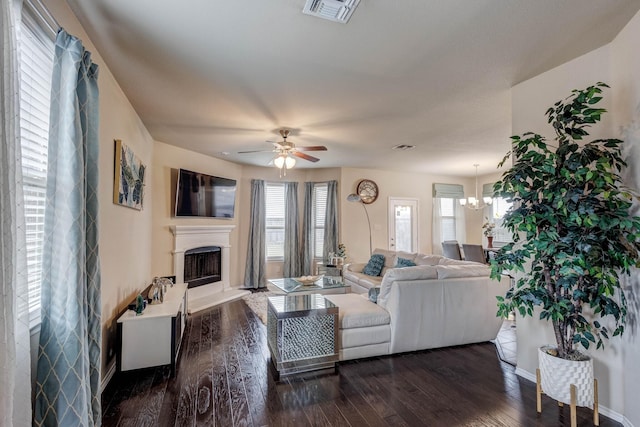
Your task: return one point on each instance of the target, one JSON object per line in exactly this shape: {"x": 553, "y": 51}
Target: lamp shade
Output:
{"x": 289, "y": 162}
{"x": 279, "y": 161}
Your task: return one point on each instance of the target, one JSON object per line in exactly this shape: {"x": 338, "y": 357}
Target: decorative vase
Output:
{"x": 557, "y": 375}
{"x": 489, "y": 241}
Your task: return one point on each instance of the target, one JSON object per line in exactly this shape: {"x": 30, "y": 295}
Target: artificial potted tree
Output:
{"x": 573, "y": 238}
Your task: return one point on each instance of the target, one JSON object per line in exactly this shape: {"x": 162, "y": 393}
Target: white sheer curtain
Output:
{"x": 15, "y": 376}
{"x": 461, "y": 222}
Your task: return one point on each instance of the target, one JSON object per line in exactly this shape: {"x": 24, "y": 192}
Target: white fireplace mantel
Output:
{"x": 194, "y": 236}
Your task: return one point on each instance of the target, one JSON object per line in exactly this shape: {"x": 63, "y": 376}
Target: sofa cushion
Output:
{"x": 407, "y": 255}
{"x": 374, "y": 266}
{"x": 358, "y": 337}
{"x": 428, "y": 259}
{"x": 389, "y": 257}
{"x": 404, "y": 262}
{"x": 357, "y": 312}
{"x": 470, "y": 269}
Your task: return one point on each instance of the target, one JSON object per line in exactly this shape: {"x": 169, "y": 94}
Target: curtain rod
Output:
{"x": 42, "y": 13}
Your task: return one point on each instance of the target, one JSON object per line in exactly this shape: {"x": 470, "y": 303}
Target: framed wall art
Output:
{"x": 128, "y": 182}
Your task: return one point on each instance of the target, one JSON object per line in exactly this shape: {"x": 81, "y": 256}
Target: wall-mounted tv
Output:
{"x": 198, "y": 194}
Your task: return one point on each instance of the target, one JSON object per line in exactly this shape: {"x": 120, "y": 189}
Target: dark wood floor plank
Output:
{"x": 204, "y": 394}
{"x": 224, "y": 378}
{"x": 372, "y": 394}
{"x": 222, "y": 403}
{"x": 237, "y": 393}
{"x": 188, "y": 376}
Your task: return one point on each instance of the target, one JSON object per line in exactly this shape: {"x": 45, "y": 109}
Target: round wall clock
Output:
{"x": 368, "y": 191}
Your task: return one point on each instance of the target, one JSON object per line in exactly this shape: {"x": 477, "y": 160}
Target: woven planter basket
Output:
{"x": 558, "y": 374}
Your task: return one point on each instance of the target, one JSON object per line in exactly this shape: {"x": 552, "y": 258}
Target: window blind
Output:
{"x": 274, "y": 211}
{"x": 448, "y": 218}
{"x": 319, "y": 214}
{"x": 487, "y": 190}
{"x": 36, "y": 68}
{"x": 450, "y": 191}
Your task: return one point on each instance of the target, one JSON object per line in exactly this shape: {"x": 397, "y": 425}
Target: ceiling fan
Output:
{"x": 285, "y": 148}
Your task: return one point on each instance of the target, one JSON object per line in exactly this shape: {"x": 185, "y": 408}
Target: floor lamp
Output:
{"x": 356, "y": 198}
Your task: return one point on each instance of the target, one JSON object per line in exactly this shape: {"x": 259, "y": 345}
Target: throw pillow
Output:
{"x": 373, "y": 294}
{"x": 374, "y": 266}
{"x": 403, "y": 262}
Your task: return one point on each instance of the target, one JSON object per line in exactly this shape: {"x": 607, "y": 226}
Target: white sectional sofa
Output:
{"x": 427, "y": 306}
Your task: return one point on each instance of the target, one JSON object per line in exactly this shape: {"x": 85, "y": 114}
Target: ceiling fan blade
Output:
{"x": 304, "y": 156}
{"x": 255, "y": 151}
{"x": 312, "y": 148}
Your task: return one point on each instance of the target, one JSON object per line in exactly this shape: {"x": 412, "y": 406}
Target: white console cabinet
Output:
{"x": 154, "y": 338}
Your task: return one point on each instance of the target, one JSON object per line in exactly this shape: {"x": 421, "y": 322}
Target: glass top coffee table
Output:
{"x": 325, "y": 285}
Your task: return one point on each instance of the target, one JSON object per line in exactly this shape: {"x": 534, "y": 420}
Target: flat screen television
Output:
{"x": 199, "y": 194}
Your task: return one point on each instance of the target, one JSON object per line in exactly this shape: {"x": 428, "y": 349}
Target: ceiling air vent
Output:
{"x": 333, "y": 10}
{"x": 404, "y": 147}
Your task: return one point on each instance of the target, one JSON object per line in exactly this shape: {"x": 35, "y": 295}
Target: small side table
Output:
{"x": 328, "y": 270}
{"x": 302, "y": 333}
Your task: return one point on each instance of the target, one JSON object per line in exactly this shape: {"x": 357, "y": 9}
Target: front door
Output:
{"x": 403, "y": 224}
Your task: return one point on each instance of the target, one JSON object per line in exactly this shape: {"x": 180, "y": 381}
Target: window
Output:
{"x": 274, "y": 200}
{"x": 499, "y": 207}
{"x": 275, "y": 219}
{"x": 319, "y": 214}
{"x": 448, "y": 219}
{"x": 448, "y": 215}
{"x": 36, "y": 62}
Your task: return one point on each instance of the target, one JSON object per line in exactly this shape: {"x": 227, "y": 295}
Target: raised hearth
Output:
{"x": 187, "y": 237}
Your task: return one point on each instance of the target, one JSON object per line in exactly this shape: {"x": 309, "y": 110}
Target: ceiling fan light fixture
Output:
{"x": 284, "y": 161}
{"x": 289, "y": 162}
{"x": 279, "y": 161}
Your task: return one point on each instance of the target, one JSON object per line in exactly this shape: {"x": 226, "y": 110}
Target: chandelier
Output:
{"x": 473, "y": 202}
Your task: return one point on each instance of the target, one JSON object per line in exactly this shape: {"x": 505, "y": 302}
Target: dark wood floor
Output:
{"x": 224, "y": 379}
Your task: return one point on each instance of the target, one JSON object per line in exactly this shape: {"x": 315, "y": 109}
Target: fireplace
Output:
{"x": 201, "y": 257}
{"x": 202, "y": 266}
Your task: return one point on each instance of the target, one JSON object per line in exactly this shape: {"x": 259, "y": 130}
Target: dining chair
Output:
{"x": 451, "y": 249}
{"x": 474, "y": 253}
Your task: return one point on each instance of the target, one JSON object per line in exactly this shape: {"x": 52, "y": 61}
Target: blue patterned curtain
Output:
{"x": 68, "y": 375}
{"x": 307, "y": 230}
{"x": 331, "y": 221}
{"x": 255, "y": 273}
{"x": 291, "y": 231}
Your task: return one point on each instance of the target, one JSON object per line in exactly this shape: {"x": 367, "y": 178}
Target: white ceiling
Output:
{"x": 220, "y": 77}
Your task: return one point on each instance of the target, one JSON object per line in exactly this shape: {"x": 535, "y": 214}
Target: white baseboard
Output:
{"x": 111, "y": 370}
{"x": 616, "y": 416}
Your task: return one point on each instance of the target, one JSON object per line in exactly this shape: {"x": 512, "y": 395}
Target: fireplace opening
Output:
{"x": 202, "y": 266}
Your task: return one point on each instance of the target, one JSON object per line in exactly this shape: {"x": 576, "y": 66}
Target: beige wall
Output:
{"x": 619, "y": 65}
{"x": 625, "y": 110}
{"x": 165, "y": 158}
{"x": 354, "y": 230}
{"x": 125, "y": 234}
